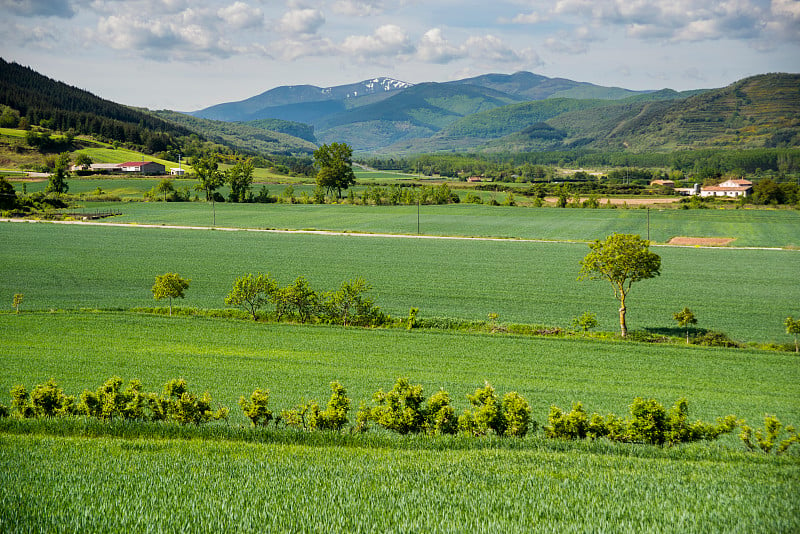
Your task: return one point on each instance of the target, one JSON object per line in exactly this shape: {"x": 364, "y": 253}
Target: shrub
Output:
{"x": 440, "y": 417}
{"x": 714, "y": 339}
{"x": 178, "y": 404}
{"x": 46, "y": 400}
{"x": 486, "y": 413}
{"x": 309, "y": 416}
{"x": 517, "y": 415}
{"x": 766, "y": 440}
{"x": 111, "y": 401}
{"x": 572, "y": 425}
{"x": 399, "y": 409}
{"x": 256, "y": 407}
{"x": 20, "y": 402}
{"x": 648, "y": 423}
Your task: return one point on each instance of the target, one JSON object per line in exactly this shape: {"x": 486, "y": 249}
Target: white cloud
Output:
{"x": 240, "y": 16}
{"x": 534, "y": 17}
{"x": 434, "y": 48}
{"x": 294, "y": 49}
{"x": 302, "y": 21}
{"x": 161, "y": 39}
{"x": 359, "y": 8}
{"x": 388, "y": 40}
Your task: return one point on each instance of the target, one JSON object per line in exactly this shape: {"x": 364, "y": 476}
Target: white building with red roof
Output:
{"x": 728, "y": 188}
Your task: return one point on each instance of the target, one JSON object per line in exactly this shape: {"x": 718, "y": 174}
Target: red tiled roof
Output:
{"x": 720, "y": 188}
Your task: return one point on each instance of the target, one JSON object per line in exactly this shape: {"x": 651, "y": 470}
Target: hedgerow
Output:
{"x": 649, "y": 423}
{"x": 403, "y": 409}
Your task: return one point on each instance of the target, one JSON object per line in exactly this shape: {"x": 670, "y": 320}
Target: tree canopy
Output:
{"x": 622, "y": 259}
{"x": 209, "y": 177}
{"x": 335, "y": 164}
{"x": 169, "y": 285}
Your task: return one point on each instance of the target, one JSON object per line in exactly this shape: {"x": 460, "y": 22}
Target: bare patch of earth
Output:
{"x": 701, "y": 241}
{"x": 644, "y": 201}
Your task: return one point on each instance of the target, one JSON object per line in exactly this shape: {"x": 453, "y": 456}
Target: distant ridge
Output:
{"x": 289, "y": 95}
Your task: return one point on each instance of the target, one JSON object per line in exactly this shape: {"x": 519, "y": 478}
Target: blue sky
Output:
{"x": 190, "y": 54}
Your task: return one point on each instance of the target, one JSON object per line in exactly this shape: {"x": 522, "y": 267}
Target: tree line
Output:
{"x": 533, "y": 165}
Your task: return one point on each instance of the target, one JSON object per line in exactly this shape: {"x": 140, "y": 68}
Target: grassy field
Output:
{"x": 224, "y": 480}
{"x": 748, "y": 228}
{"x": 230, "y": 358}
{"x": 68, "y": 266}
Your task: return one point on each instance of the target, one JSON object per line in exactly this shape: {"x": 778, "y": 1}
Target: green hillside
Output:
{"x": 761, "y": 111}
{"x": 241, "y": 136}
{"x": 295, "y": 129}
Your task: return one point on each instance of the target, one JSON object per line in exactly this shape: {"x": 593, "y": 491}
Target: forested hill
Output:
{"x": 43, "y": 101}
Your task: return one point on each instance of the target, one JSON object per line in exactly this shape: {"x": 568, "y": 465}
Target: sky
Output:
{"x": 186, "y": 55}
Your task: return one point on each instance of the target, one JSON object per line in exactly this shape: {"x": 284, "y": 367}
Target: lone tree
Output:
{"x": 685, "y": 317}
{"x": 622, "y": 259}
{"x": 335, "y": 164}
{"x": 793, "y": 327}
{"x": 251, "y": 292}
{"x": 169, "y": 285}
{"x": 58, "y": 180}
{"x": 209, "y": 177}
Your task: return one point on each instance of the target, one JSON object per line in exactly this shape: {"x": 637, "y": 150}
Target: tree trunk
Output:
{"x": 623, "y": 327}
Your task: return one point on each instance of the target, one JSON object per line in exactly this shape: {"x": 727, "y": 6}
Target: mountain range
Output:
{"x": 526, "y": 111}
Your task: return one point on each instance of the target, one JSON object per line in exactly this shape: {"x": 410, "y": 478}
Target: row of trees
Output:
{"x": 534, "y": 165}
{"x": 348, "y": 305}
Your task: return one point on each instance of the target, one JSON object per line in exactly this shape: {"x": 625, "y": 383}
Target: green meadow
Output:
{"x": 227, "y": 477}
{"x": 744, "y": 293}
{"x": 80, "y": 281}
{"x": 747, "y": 228}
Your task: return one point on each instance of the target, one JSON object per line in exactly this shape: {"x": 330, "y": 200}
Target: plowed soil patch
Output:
{"x": 701, "y": 241}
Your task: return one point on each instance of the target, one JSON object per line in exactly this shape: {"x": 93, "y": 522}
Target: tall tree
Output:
{"x": 165, "y": 186}
{"x": 240, "y": 178}
{"x": 58, "y": 183}
{"x": 209, "y": 177}
{"x": 251, "y": 292}
{"x": 622, "y": 259}
{"x": 335, "y": 167}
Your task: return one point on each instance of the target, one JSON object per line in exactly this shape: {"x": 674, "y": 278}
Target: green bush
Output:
{"x": 766, "y": 440}
{"x": 46, "y": 400}
{"x": 110, "y": 401}
{"x": 486, "y": 413}
{"x": 256, "y": 407}
{"x": 309, "y": 415}
{"x": 648, "y": 423}
{"x": 517, "y": 415}
{"x": 439, "y": 415}
{"x": 399, "y": 409}
{"x": 714, "y": 339}
{"x": 178, "y": 404}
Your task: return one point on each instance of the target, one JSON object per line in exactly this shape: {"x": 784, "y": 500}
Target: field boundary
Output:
{"x": 365, "y": 234}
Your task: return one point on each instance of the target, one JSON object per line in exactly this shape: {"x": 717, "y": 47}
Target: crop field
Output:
{"x": 231, "y": 358}
{"x": 744, "y": 293}
{"x": 281, "y": 480}
{"x": 225, "y": 476}
{"x": 748, "y": 228}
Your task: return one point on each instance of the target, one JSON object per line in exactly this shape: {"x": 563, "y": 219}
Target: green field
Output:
{"x": 748, "y": 228}
{"x": 745, "y": 293}
{"x": 224, "y": 480}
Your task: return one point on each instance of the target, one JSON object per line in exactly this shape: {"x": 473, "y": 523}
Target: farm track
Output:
{"x": 360, "y": 234}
